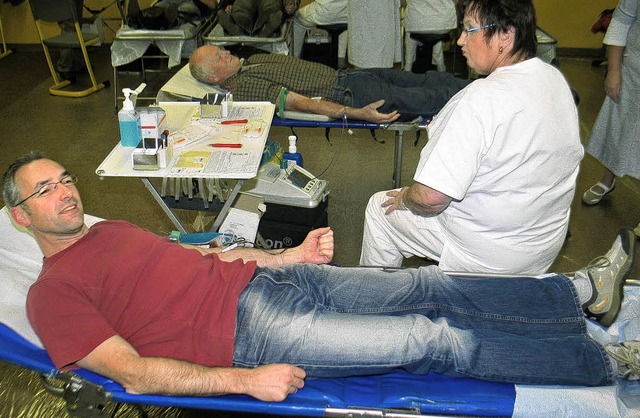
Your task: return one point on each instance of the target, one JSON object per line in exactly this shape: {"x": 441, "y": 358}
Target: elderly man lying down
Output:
{"x": 379, "y": 95}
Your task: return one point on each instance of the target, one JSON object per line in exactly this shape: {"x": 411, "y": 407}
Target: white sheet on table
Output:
{"x": 124, "y": 51}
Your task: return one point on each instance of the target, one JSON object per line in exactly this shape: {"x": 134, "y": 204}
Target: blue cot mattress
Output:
{"x": 401, "y": 392}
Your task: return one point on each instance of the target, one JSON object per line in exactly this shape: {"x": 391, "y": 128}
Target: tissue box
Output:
{"x": 153, "y": 121}
{"x": 151, "y": 154}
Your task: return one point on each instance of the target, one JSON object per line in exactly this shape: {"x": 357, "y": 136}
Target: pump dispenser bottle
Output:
{"x": 129, "y": 119}
{"x": 293, "y": 157}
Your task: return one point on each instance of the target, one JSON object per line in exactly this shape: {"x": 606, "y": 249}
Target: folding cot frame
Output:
{"x": 284, "y": 36}
{"x": 399, "y": 128}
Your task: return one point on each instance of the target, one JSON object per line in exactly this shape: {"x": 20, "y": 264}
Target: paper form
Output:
{"x": 233, "y": 162}
{"x": 193, "y": 133}
{"x": 246, "y": 112}
{"x": 193, "y": 160}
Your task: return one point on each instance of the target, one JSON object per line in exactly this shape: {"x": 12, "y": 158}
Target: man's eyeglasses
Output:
{"x": 46, "y": 189}
{"x": 470, "y": 31}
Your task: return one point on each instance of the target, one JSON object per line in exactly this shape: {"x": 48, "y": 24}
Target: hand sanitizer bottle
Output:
{"x": 293, "y": 157}
{"x": 129, "y": 119}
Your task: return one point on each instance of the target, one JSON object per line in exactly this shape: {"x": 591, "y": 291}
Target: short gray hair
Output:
{"x": 200, "y": 66}
{"x": 10, "y": 191}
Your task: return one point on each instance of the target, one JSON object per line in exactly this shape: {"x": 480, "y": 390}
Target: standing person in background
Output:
{"x": 427, "y": 16}
{"x": 494, "y": 184}
{"x": 318, "y": 13}
{"x": 375, "y": 38}
{"x": 615, "y": 138}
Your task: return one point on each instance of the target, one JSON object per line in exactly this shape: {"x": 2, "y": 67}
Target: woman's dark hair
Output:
{"x": 504, "y": 14}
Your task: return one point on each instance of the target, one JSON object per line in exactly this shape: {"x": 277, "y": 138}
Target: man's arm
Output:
{"x": 116, "y": 359}
{"x": 421, "y": 200}
{"x": 317, "y": 248}
{"x": 369, "y": 112}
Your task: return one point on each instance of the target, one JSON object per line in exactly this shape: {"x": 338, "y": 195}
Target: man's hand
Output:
{"x": 274, "y": 382}
{"x": 317, "y": 247}
{"x": 370, "y": 113}
{"x": 116, "y": 359}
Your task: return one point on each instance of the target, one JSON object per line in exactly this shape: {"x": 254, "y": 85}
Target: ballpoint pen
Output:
{"x": 233, "y": 121}
{"x": 222, "y": 145}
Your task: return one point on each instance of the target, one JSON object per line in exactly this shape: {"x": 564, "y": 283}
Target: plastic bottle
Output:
{"x": 293, "y": 157}
{"x": 129, "y": 119}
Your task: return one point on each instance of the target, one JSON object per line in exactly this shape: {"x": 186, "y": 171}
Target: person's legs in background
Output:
{"x": 410, "y": 48}
{"x": 71, "y": 60}
{"x": 595, "y": 193}
{"x": 318, "y": 13}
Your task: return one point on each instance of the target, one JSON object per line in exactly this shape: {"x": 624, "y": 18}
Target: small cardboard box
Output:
{"x": 244, "y": 217}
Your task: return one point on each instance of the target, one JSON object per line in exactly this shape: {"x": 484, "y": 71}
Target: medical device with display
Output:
{"x": 293, "y": 186}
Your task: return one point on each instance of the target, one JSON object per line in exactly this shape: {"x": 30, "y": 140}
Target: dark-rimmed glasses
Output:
{"x": 46, "y": 189}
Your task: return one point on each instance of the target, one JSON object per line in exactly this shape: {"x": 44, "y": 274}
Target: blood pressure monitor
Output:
{"x": 302, "y": 179}
{"x": 293, "y": 186}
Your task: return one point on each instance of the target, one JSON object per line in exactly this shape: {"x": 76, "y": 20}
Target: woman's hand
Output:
{"x": 612, "y": 84}
{"x": 395, "y": 201}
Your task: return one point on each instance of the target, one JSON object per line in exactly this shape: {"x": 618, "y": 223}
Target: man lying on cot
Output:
{"x": 380, "y": 95}
{"x": 159, "y": 317}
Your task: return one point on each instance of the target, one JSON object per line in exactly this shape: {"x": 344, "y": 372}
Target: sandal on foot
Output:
{"x": 593, "y": 196}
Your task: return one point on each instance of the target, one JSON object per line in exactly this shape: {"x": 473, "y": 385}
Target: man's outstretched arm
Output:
{"x": 116, "y": 359}
{"x": 317, "y": 248}
{"x": 300, "y": 103}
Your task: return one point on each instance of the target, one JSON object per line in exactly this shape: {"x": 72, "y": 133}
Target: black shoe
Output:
{"x": 68, "y": 76}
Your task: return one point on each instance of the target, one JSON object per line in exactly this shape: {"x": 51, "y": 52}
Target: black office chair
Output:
{"x": 424, "y": 51}
{"x": 57, "y": 11}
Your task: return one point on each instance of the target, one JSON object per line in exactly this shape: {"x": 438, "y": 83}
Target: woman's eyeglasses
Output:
{"x": 470, "y": 31}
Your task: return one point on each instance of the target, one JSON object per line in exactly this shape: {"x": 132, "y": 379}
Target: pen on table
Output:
{"x": 221, "y": 145}
{"x": 234, "y": 121}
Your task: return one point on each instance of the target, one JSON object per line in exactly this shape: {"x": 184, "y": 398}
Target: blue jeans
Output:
{"x": 410, "y": 94}
{"x": 334, "y": 321}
